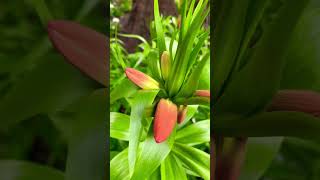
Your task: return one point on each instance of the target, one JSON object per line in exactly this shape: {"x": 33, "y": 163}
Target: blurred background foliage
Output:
{"x": 35, "y": 81}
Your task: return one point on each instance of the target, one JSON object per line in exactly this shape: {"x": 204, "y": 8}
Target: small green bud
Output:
{"x": 165, "y": 65}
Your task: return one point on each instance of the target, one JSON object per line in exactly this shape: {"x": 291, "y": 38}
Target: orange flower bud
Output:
{"x": 203, "y": 93}
{"x": 182, "y": 113}
{"x": 165, "y": 65}
{"x": 165, "y": 120}
{"x": 142, "y": 80}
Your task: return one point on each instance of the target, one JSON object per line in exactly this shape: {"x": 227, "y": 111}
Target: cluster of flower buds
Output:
{"x": 167, "y": 113}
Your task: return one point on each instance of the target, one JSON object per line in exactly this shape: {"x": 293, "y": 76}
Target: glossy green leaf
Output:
{"x": 52, "y": 85}
{"x": 151, "y": 155}
{"x": 20, "y": 170}
{"x": 84, "y": 125}
{"x": 194, "y": 134}
{"x": 260, "y": 153}
{"x": 119, "y": 167}
{"x": 171, "y": 169}
{"x": 227, "y": 37}
{"x": 141, "y": 100}
{"x": 119, "y": 126}
{"x": 259, "y": 80}
{"x": 124, "y": 89}
{"x": 196, "y": 160}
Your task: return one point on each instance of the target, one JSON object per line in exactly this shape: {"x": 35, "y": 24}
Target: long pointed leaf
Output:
{"x": 141, "y": 100}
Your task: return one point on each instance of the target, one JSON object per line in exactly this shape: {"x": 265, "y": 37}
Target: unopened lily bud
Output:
{"x": 142, "y": 80}
{"x": 165, "y": 65}
{"x": 165, "y": 120}
{"x": 182, "y": 114}
{"x": 203, "y": 93}
{"x": 179, "y": 21}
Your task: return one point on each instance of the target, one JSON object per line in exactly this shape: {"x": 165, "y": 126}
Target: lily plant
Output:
{"x": 167, "y": 95}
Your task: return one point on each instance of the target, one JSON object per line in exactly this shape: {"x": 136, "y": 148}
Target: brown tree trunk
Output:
{"x": 138, "y": 20}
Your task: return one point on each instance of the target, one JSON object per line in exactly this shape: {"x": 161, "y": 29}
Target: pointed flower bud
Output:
{"x": 142, "y": 80}
{"x": 182, "y": 114}
{"x": 203, "y": 93}
{"x": 165, "y": 120}
{"x": 165, "y": 65}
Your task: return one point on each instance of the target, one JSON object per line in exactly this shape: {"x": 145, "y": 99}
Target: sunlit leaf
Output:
{"x": 194, "y": 134}
{"x": 151, "y": 155}
{"x": 171, "y": 169}
{"x": 119, "y": 167}
{"x": 141, "y": 100}
{"x": 195, "y": 159}
{"x": 119, "y": 126}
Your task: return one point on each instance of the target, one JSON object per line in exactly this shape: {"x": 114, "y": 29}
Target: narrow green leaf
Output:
{"x": 154, "y": 65}
{"x": 180, "y": 63}
{"x": 192, "y": 82}
{"x": 196, "y": 160}
{"x": 20, "y": 170}
{"x": 195, "y": 52}
{"x": 141, "y": 100}
{"x": 159, "y": 29}
{"x": 171, "y": 169}
{"x": 119, "y": 126}
{"x": 194, "y": 134}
